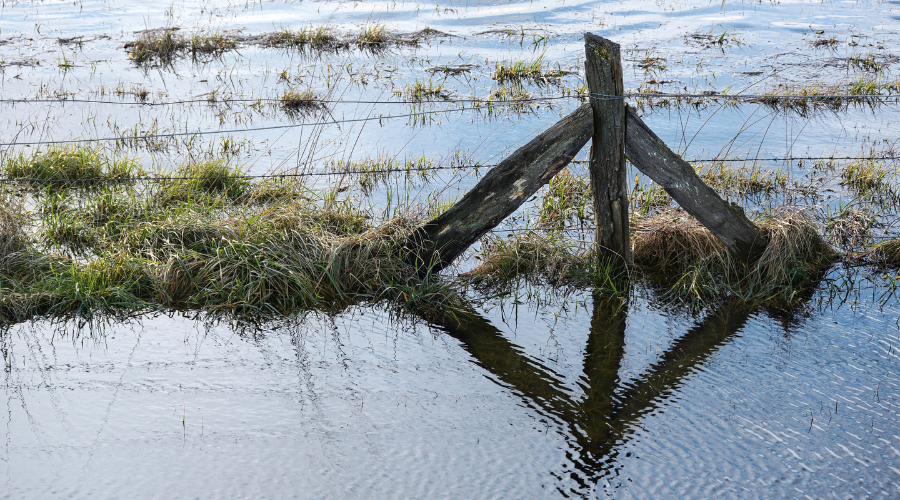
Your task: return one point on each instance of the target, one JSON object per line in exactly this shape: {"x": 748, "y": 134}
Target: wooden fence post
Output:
{"x": 603, "y": 67}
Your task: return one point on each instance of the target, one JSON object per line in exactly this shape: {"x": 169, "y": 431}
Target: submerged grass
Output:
{"x": 319, "y": 38}
{"x": 210, "y": 238}
{"x": 568, "y": 198}
{"x": 804, "y": 99}
{"x": 423, "y": 91}
{"x": 742, "y": 181}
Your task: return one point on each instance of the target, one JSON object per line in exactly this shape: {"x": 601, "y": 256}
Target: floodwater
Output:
{"x": 582, "y": 398}
{"x": 567, "y": 396}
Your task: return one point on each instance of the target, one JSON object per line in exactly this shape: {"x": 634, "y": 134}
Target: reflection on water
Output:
{"x": 607, "y": 411}
{"x": 614, "y": 399}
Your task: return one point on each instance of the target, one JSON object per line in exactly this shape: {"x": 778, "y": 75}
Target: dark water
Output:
{"x": 582, "y": 398}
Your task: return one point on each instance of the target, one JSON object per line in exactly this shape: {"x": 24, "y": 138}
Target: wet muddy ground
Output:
{"x": 547, "y": 394}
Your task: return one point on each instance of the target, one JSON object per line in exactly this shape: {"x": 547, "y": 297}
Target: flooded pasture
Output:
{"x": 589, "y": 400}
{"x": 540, "y": 389}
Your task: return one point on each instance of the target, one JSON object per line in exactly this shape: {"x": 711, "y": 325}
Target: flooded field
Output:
{"x": 124, "y": 377}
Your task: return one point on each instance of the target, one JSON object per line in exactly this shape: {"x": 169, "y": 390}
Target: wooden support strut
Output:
{"x": 434, "y": 245}
{"x": 727, "y": 221}
{"x": 603, "y": 69}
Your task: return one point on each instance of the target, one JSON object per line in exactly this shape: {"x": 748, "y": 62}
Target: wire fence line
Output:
{"x": 249, "y": 129}
{"x": 163, "y": 178}
{"x": 483, "y": 104}
{"x": 576, "y": 95}
{"x": 332, "y": 173}
{"x": 280, "y": 100}
{"x": 751, "y": 98}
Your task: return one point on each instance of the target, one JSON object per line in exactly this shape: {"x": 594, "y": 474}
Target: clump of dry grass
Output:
{"x": 698, "y": 266}
{"x": 850, "y": 225}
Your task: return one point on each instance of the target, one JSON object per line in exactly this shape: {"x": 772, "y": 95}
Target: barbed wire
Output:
{"x": 744, "y": 97}
{"x": 627, "y": 95}
{"x": 281, "y": 100}
{"x": 162, "y": 178}
{"x": 250, "y": 129}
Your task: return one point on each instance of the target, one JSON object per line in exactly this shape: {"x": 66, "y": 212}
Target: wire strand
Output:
{"x": 244, "y": 177}
{"x": 279, "y": 100}
{"x": 233, "y": 131}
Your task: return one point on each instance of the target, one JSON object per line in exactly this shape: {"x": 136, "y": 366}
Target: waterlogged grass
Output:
{"x": 674, "y": 250}
{"x": 743, "y": 180}
{"x": 532, "y": 256}
{"x": 373, "y": 36}
{"x": 866, "y": 176}
{"x": 423, "y": 91}
{"x": 867, "y": 62}
{"x": 864, "y": 91}
{"x": 319, "y": 38}
{"x": 297, "y": 102}
{"x": 372, "y": 172}
{"x": 163, "y": 45}
{"x": 208, "y": 237}
{"x": 697, "y": 266}
{"x": 568, "y": 198}
{"x": 861, "y": 92}
{"x": 214, "y": 249}
{"x": 62, "y": 168}
{"x": 526, "y": 70}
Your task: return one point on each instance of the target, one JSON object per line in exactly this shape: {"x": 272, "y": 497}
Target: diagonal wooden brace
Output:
{"x": 499, "y": 193}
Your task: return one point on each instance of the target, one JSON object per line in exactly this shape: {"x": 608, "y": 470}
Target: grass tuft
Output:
{"x": 888, "y": 252}
{"x": 373, "y": 36}
{"x": 700, "y": 269}
{"x": 531, "y": 257}
{"x": 67, "y": 167}
{"x": 423, "y": 91}
{"x": 299, "y": 102}
{"x": 164, "y": 45}
{"x": 568, "y": 198}
{"x": 318, "y": 38}
{"x": 521, "y": 70}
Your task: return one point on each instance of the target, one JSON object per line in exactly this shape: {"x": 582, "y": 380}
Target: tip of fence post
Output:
{"x": 603, "y": 48}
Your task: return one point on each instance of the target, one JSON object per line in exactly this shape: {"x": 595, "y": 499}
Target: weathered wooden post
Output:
{"x": 603, "y": 67}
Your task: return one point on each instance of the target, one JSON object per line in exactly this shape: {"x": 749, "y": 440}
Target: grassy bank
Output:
{"x": 207, "y": 237}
